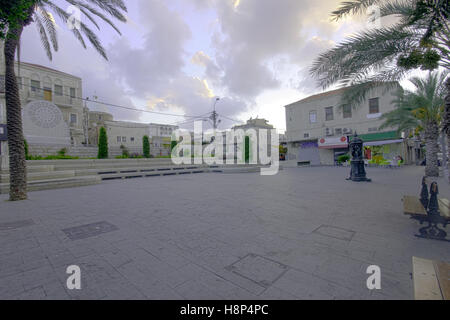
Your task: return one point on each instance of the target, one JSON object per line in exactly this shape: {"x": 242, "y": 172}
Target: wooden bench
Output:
{"x": 431, "y": 279}
{"x": 414, "y": 208}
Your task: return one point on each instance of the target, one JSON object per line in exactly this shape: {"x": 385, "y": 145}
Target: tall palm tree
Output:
{"x": 420, "y": 38}
{"x": 446, "y": 124}
{"x": 419, "y": 110}
{"x": 14, "y": 17}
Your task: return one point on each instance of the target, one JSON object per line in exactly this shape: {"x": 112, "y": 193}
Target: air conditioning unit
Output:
{"x": 347, "y": 131}
{"x": 329, "y": 132}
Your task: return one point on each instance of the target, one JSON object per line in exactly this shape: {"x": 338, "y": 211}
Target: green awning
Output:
{"x": 379, "y": 136}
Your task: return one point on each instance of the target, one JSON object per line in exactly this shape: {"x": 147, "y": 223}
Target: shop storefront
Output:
{"x": 383, "y": 148}
{"x": 331, "y": 148}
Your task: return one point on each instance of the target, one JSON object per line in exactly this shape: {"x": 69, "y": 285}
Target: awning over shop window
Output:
{"x": 382, "y": 143}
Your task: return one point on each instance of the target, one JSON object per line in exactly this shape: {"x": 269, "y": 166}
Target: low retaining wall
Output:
{"x": 51, "y": 150}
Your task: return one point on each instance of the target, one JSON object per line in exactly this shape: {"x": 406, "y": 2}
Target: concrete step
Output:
{"x": 43, "y": 168}
{"x": 100, "y": 164}
{"x": 55, "y": 183}
{"x": 35, "y": 176}
{"x": 133, "y": 175}
{"x": 87, "y": 172}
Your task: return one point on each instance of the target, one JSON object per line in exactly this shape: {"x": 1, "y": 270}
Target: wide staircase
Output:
{"x": 55, "y": 174}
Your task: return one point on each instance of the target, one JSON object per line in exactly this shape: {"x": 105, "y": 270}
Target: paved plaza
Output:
{"x": 306, "y": 233}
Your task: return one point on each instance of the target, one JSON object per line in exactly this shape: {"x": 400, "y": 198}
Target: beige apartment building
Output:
{"x": 41, "y": 83}
{"x": 62, "y": 89}
{"x": 319, "y": 127}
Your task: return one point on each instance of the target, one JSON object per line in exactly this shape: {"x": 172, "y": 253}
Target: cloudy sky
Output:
{"x": 175, "y": 56}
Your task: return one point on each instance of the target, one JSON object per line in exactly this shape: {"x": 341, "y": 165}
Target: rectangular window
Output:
{"x": 72, "y": 92}
{"x": 58, "y": 90}
{"x": 347, "y": 111}
{"x": 312, "y": 116}
{"x": 124, "y": 139}
{"x": 19, "y": 83}
{"x": 119, "y": 139}
{"x": 73, "y": 118}
{"x": 306, "y": 135}
{"x": 375, "y": 129}
{"x": 35, "y": 86}
{"x": 329, "y": 115}
{"x": 374, "y": 106}
{"x": 338, "y": 131}
{"x": 132, "y": 139}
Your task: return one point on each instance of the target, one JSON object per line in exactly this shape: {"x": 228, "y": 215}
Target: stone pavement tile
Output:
{"x": 117, "y": 258}
{"x": 55, "y": 290}
{"x": 135, "y": 275}
{"x": 195, "y": 290}
{"x": 15, "y": 246}
{"x": 273, "y": 293}
{"x": 38, "y": 277}
{"x": 11, "y": 286}
{"x": 37, "y": 293}
{"x": 62, "y": 259}
{"x": 11, "y": 264}
{"x": 98, "y": 269}
{"x": 344, "y": 271}
{"x": 172, "y": 257}
{"x": 307, "y": 286}
{"x": 121, "y": 289}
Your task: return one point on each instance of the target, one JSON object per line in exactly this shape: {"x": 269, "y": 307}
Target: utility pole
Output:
{"x": 214, "y": 115}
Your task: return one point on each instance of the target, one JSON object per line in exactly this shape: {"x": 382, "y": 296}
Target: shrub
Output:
{"x": 62, "y": 152}
{"x": 125, "y": 151}
{"x": 173, "y": 144}
{"x": 146, "y": 146}
{"x": 343, "y": 158}
{"x": 102, "y": 144}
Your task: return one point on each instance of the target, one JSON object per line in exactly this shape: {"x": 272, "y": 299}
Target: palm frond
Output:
{"x": 353, "y": 7}
{"x": 361, "y": 55}
{"x": 43, "y": 35}
{"x": 50, "y": 26}
{"x": 84, "y": 6}
{"x": 111, "y": 7}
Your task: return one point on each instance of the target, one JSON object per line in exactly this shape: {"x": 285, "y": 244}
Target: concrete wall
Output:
{"x": 74, "y": 151}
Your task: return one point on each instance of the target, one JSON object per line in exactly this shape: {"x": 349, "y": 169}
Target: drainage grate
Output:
{"x": 89, "y": 230}
{"x": 335, "y": 232}
{"x": 16, "y": 225}
{"x": 258, "y": 269}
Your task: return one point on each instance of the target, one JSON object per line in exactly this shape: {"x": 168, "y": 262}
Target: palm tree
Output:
{"x": 446, "y": 124}
{"x": 419, "y": 39}
{"x": 14, "y": 17}
{"x": 421, "y": 110}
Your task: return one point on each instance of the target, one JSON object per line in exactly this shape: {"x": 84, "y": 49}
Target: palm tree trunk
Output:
{"x": 432, "y": 149}
{"x": 447, "y": 124}
{"x": 17, "y": 161}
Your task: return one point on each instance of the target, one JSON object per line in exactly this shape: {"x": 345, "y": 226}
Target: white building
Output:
{"x": 318, "y": 127}
{"x": 129, "y": 135}
{"x": 160, "y": 138}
